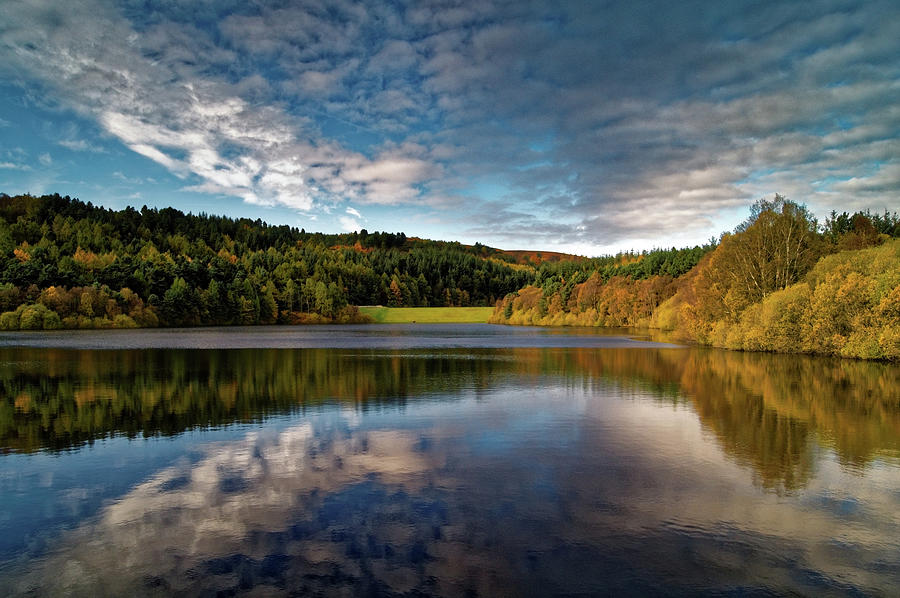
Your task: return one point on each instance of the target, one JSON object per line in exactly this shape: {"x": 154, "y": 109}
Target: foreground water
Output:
{"x": 441, "y": 460}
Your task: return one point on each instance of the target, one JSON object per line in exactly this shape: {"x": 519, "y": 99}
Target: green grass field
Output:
{"x": 427, "y": 315}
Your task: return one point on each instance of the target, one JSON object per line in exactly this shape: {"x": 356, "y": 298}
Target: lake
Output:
{"x": 440, "y": 460}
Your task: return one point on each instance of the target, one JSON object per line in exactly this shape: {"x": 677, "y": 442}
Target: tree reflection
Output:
{"x": 764, "y": 410}
{"x": 59, "y": 399}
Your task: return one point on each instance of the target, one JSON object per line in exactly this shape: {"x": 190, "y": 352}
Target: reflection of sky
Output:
{"x": 556, "y": 489}
{"x": 42, "y": 491}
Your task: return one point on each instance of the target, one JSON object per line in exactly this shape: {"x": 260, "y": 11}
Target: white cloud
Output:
{"x": 353, "y": 212}
{"x": 349, "y": 224}
{"x": 169, "y": 110}
{"x": 80, "y": 145}
{"x": 13, "y": 166}
{"x": 885, "y": 178}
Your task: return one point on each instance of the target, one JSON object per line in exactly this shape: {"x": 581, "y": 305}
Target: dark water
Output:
{"x": 441, "y": 460}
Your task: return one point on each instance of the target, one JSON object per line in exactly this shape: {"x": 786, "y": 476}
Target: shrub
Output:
{"x": 52, "y": 320}
{"x": 9, "y": 320}
{"x": 123, "y": 321}
{"x": 31, "y": 317}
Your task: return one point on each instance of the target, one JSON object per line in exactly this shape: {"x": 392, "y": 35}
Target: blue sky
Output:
{"x": 577, "y": 126}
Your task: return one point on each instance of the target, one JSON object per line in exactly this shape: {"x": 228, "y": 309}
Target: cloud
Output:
{"x": 353, "y": 212}
{"x": 600, "y": 122}
{"x": 349, "y": 224}
{"x": 149, "y": 90}
{"x": 14, "y": 166}
{"x": 45, "y": 159}
{"x": 72, "y": 137}
{"x": 80, "y": 145}
{"x": 885, "y": 179}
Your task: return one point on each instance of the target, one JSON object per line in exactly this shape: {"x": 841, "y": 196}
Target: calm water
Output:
{"x": 440, "y": 460}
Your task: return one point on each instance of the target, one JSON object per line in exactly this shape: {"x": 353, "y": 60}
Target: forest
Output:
{"x": 70, "y": 264}
{"x": 779, "y": 282}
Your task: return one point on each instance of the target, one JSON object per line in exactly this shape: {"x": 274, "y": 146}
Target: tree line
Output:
{"x": 70, "y": 264}
{"x": 779, "y": 282}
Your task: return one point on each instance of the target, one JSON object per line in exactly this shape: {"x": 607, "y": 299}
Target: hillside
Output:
{"x": 67, "y": 263}
{"x": 536, "y": 258}
{"x": 780, "y": 282}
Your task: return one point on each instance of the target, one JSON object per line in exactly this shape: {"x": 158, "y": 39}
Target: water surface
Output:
{"x": 559, "y": 463}
{"x": 368, "y": 336}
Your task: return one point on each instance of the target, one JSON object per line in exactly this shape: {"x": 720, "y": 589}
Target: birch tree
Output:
{"x": 769, "y": 251}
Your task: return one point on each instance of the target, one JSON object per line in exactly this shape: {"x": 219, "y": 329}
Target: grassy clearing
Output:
{"x": 427, "y": 315}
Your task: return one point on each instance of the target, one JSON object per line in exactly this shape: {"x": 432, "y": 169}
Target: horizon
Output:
{"x": 579, "y": 129}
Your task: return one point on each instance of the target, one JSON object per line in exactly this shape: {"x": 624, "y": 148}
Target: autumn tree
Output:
{"x": 769, "y": 251}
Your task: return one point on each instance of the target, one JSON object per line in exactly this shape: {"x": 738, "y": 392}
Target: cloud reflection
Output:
{"x": 554, "y": 487}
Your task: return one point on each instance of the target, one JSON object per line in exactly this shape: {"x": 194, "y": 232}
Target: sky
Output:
{"x": 585, "y": 126}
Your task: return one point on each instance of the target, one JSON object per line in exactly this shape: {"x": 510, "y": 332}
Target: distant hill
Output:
{"x": 536, "y": 258}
